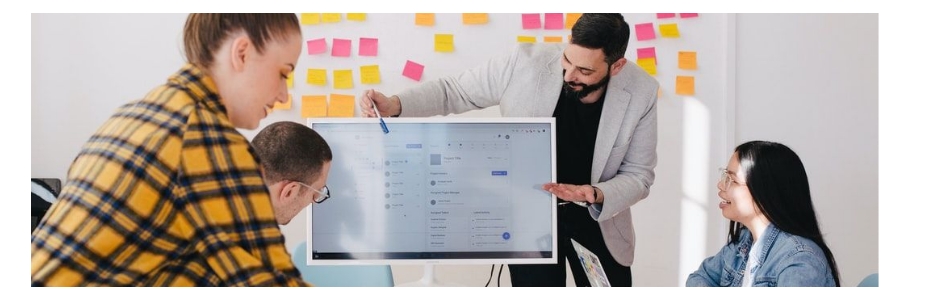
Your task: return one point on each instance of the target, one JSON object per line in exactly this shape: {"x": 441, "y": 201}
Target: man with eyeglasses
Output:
{"x": 296, "y": 161}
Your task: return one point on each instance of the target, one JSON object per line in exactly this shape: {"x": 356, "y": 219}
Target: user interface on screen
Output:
{"x": 435, "y": 189}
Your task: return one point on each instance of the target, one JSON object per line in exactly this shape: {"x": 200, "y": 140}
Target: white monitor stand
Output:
{"x": 429, "y": 279}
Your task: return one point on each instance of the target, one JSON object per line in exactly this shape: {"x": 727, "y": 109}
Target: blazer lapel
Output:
{"x": 615, "y": 103}
{"x": 548, "y": 88}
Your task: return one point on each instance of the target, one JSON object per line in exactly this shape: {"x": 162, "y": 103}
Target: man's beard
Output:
{"x": 586, "y": 90}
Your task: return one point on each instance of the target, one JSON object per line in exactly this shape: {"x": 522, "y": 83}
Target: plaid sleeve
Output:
{"x": 229, "y": 208}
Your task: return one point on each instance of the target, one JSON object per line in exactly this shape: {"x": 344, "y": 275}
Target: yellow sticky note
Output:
{"x": 356, "y": 17}
{"x": 570, "y": 19}
{"x": 314, "y": 106}
{"x": 341, "y": 105}
{"x": 317, "y": 77}
{"x": 369, "y": 74}
{"x": 552, "y": 39}
{"x": 424, "y": 19}
{"x": 443, "y": 42}
{"x": 526, "y": 39}
{"x": 343, "y": 79}
{"x": 284, "y": 106}
{"x": 647, "y": 64}
{"x": 669, "y": 30}
{"x": 330, "y": 18}
{"x": 684, "y": 85}
{"x": 687, "y": 60}
{"x": 310, "y": 19}
{"x": 475, "y": 19}
{"x": 289, "y": 79}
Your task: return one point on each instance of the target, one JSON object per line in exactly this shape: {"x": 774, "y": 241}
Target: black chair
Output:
{"x": 44, "y": 193}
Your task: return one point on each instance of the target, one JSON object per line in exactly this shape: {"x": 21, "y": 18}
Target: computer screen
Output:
{"x": 436, "y": 191}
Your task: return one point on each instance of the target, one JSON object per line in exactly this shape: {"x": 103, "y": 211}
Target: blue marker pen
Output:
{"x": 385, "y": 129}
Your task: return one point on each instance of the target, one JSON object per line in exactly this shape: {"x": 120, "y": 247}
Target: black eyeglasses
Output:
{"x": 323, "y": 194}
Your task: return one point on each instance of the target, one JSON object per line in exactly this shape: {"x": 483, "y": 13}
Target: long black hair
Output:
{"x": 777, "y": 180}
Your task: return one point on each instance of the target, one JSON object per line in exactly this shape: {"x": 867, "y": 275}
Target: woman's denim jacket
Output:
{"x": 784, "y": 260}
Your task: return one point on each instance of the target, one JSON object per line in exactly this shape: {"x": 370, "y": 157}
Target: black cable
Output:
{"x": 490, "y": 274}
{"x": 499, "y": 274}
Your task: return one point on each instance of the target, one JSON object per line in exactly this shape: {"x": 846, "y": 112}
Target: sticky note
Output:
{"x": 684, "y": 85}
{"x": 330, "y": 18}
{"x": 669, "y": 30}
{"x": 284, "y": 106}
{"x": 664, "y": 15}
{"x": 648, "y": 52}
{"x": 341, "y": 48}
{"x": 341, "y": 106}
{"x": 289, "y": 79}
{"x": 530, "y": 21}
{"x": 570, "y": 19}
{"x": 310, "y": 19}
{"x": 314, "y": 106}
{"x": 475, "y": 19}
{"x": 369, "y": 46}
{"x": 552, "y": 39}
{"x": 554, "y": 21}
{"x": 687, "y": 60}
{"x": 343, "y": 79}
{"x": 369, "y": 74}
{"x": 317, "y": 46}
{"x": 316, "y": 77}
{"x": 526, "y": 39}
{"x": 647, "y": 64}
{"x": 688, "y": 15}
{"x": 645, "y": 31}
{"x": 443, "y": 42}
{"x": 356, "y": 17}
{"x": 424, "y": 19}
{"x": 413, "y": 70}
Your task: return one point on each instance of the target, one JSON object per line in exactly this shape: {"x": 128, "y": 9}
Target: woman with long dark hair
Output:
{"x": 774, "y": 236}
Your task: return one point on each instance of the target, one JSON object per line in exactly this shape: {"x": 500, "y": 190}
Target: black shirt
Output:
{"x": 576, "y": 132}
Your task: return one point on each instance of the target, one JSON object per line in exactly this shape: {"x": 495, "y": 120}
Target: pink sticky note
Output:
{"x": 664, "y": 15}
{"x": 317, "y": 46}
{"x": 413, "y": 70}
{"x": 554, "y": 21}
{"x": 369, "y": 46}
{"x": 531, "y": 21}
{"x": 341, "y": 48}
{"x": 646, "y": 53}
{"x": 645, "y": 31}
{"x": 688, "y": 15}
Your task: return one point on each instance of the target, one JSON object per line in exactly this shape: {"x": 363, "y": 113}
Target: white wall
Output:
{"x": 809, "y": 81}
{"x": 84, "y": 66}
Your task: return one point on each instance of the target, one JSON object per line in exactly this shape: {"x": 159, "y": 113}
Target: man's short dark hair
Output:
{"x": 291, "y": 151}
{"x": 602, "y": 31}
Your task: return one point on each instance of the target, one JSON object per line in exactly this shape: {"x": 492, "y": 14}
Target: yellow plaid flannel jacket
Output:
{"x": 166, "y": 193}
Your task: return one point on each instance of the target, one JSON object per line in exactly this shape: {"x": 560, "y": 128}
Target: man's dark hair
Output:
{"x": 608, "y": 32}
{"x": 291, "y": 151}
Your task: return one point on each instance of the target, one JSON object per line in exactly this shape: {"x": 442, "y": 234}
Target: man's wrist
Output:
{"x": 397, "y": 103}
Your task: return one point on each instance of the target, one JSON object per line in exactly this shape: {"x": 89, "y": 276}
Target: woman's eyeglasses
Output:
{"x": 725, "y": 179}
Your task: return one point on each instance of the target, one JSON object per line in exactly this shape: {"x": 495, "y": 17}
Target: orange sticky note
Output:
{"x": 343, "y": 79}
{"x": 570, "y": 19}
{"x": 314, "y": 106}
{"x": 424, "y": 19}
{"x": 475, "y": 19}
{"x": 647, "y": 64}
{"x": 284, "y": 106}
{"x": 289, "y": 79}
{"x": 356, "y": 17}
{"x": 687, "y": 60}
{"x": 684, "y": 85}
{"x": 310, "y": 19}
{"x": 443, "y": 42}
{"x": 369, "y": 74}
{"x": 669, "y": 30}
{"x": 552, "y": 39}
{"x": 330, "y": 18}
{"x": 341, "y": 106}
{"x": 526, "y": 39}
{"x": 317, "y": 77}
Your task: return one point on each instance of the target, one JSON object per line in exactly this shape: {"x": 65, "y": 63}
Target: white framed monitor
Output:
{"x": 436, "y": 191}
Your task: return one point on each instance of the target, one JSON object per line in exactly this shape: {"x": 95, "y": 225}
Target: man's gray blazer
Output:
{"x": 527, "y": 83}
